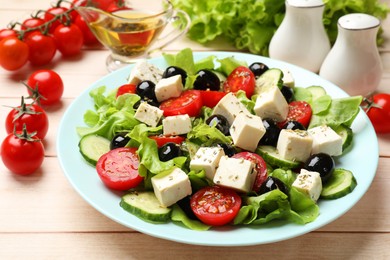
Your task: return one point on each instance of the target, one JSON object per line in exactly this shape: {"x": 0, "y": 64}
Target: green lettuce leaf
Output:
{"x": 178, "y": 215}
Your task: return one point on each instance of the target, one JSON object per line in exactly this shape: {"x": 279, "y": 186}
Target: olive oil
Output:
{"x": 124, "y": 38}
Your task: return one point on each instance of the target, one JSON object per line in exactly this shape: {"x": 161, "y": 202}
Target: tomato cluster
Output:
{"x": 38, "y": 38}
{"x": 22, "y": 151}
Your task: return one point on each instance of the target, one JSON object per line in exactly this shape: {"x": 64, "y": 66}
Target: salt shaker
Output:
{"x": 354, "y": 62}
{"x": 301, "y": 38}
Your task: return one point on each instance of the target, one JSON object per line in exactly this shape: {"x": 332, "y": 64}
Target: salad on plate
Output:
{"x": 218, "y": 142}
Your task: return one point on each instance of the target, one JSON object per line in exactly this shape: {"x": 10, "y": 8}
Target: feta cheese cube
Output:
{"x": 168, "y": 88}
{"x": 271, "y": 103}
{"x": 176, "y": 125}
{"x": 246, "y": 131}
{"x": 288, "y": 79}
{"x": 326, "y": 140}
{"x": 148, "y": 114}
{"x": 142, "y": 70}
{"x": 207, "y": 159}
{"x": 172, "y": 187}
{"x": 229, "y": 106}
{"x": 235, "y": 173}
{"x": 310, "y": 183}
{"x": 294, "y": 145}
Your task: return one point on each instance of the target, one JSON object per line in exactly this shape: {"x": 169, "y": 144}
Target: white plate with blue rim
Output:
{"x": 86, "y": 182}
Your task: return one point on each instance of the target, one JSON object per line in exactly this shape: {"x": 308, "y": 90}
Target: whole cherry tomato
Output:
{"x": 22, "y": 153}
{"x": 89, "y": 37}
{"x": 45, "y": 85}
{"x": 42, "y": 48}
{"x": 60, "y": 13}
{"x": 378, "y": 111}
{"x": 69, "y": 39}
{"x": 30, "y": 115}
{"x": 4, "y": 33}
{"x": 31, "y": 23}
{"x": 13, "y": 53}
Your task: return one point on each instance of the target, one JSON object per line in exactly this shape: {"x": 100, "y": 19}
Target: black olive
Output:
{"x": 169, "y": 151}
{"x": 220, "y": 122}
{"x": 258, "y": 68}
{"x": 173, "y": 71}
{"x": 185, "y": 205}
{"x": 145, "y": 89}
{"x": 294, "y": 125}
{"x": 322, "y": 163}
{"x": 288, "y": 93}
{"x": 227, "y": 148}
{"x": 119, "y": 140}
{"x": 272, "y": 183}
{"x": 206, "y": 79}
{"x": 271, "y": 135}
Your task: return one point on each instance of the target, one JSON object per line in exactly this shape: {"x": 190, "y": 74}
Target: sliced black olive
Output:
{"x": 227, "y": 148}
{"x": 258, "y": 68}
{"x": 206, "y": 79}
{"x": 322, "y": 163}
{"x": 220, "y": 122}
{"x": 288, "y": 93}
{"x": 272, "y": 183}
{"x": 145, "y": 89}
{"x": 173, "y": 71}
{"x": 169, "y": 151}
{"x": 185, "y": 205}
{"x": 294, "y": 125}
{"x": 271, "y": 135}
{"x": 119, "y": 140}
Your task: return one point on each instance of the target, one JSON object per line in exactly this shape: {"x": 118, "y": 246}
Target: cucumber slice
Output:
{"x": 341, "y": 183}
{"x": 272, "y": 77}
{"x": 316, "y": 91}
{"x": 92, "y": 147}
{"x": 346, "y": 134}
{"x": 271, "y": 155}
{"x": 145, "y": 205}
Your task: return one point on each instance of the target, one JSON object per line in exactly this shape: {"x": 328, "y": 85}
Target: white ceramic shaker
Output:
{"x": 301, "y": 38}
{"x": 354, "y": 63}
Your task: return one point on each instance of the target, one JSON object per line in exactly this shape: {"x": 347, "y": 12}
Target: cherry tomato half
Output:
{"x": 298, "y": 111}
{"x": 118, "y": 169}
{"x": 126, "y": 88}
{"x": 211, "y": 98}
{"x": 13, "y": 53}
{"x": 162, "y": 139}
{"x": 32, "y": 115}
{"x": 22, "y": 155}
{"x": 48, "y": 84}
{"x": 261, "y": 167}
{"x": 241, "y": 78}
{"x": 379, "y": 112}
{"x": 189, "y": 102}
{"x": 215, "y": 206}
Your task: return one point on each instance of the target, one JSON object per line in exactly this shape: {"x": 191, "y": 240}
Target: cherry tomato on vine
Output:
{"x": 261, "y": 167}
{"x": 4, "y": 33}
{"x": 30, "y": 115}
{"x": 31, "y": 23}
{"x": 52, "y": 12}
{"x": 378, "y": 111}
{"x": 189, "y": 102}
{"x": 69, "y": 39}
{"x": 13, "y": 53}
{"x": 241, "y": 78}
{"x": 118, "y": 169}
{"x": 47, "y": 84}
{"x": 215, "y": 206}
{"x": 89, "y": 37}
{"x": 42, "y": 48}
{"x": 22, "y": 153}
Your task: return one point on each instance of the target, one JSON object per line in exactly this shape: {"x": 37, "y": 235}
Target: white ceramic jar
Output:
{"x": 301, "y": 38}
{"x": 354, "y": 63}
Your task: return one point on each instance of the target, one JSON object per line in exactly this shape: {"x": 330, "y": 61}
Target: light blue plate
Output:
{"x": 362, "y": 160}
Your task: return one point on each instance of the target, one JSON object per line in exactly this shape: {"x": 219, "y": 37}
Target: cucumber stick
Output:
{"x": 145, "y": 205}
{"x": 271, "y": 156}
{"x": 92, "y": 147}
{"x": 341, "y": 183}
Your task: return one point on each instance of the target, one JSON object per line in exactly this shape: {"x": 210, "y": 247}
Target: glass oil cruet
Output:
{"x": 301, "y": 38}
{"x": 354, "y": 62}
